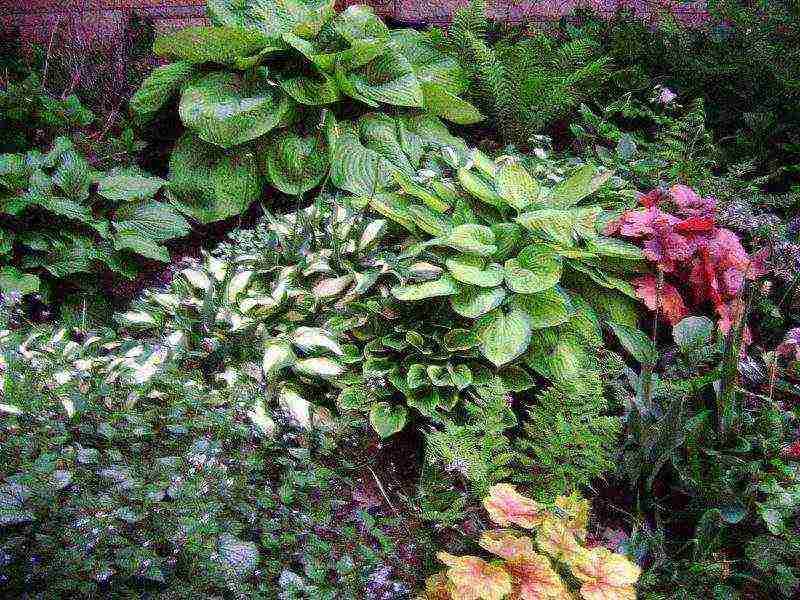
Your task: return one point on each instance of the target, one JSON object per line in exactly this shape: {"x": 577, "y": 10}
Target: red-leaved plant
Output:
{"x": 700, "y": 261}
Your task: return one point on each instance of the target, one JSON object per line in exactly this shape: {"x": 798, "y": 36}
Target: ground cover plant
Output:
{"x": 416, "y": 366}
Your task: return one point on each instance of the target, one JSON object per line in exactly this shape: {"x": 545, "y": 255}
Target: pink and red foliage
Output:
{"x": 700, "y": 261}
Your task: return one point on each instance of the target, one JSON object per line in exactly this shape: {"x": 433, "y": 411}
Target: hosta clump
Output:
{"x": 554, "y": 564}
{"x": 281, "y": 317}
{"x": 258, "y": 87}
{"x": 60, "y": 218}
{"x": 509, "y": 253}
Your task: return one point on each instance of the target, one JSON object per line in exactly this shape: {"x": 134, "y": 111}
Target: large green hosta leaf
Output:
{"x": 355, "y": 168}
{"x": 210, "y": 184}
{"x": 504, "y": 336}
{"x": 359, "y": 22}
{"x": 292, "y": 163}
{"x": 547, "y": 308}
{"x": 391, "y": 140}
{"x": 389, "y": 78}
{"x": 159, "y": 87}
{"x": 304, "y": 18}
{"x": 312, "y": 87}
{"x": 223, "y": 45}
{"x": 228, "y": 109}
{"x": 536, "y": 268}
{"x": 11, "y": 280}
{"x": 562, "y": 225}
{"x": 444, "y": 103}
{"x": 584, "y": 182}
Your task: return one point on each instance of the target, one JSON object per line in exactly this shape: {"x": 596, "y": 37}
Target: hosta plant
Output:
{"x": 509, "y": 253}
{"x": 552, "y": 564}
{"x": 60, "y": 219}
{"x": 257, "y": 87}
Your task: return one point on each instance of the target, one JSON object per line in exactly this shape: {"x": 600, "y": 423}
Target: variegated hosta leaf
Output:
{"x": 535, "y": 269}
{"x": 547, "y": 308}
{"x": 474, "y": 270}
{"x": 318, "y": 367}
{"x": 472, "y": 302}
{"x": 439, "y": 101}
{"x": 228, "y": 109}
{"x": 309, "y": 339}
{"x": 157, "y": 89}
{"x": 223, "y": 45}
{"x": 292, "y": 163}
{"x": 471, "y": 239}
{"x": 277, "y": 356}
{"x": 430, "y": 221}
{"x": 372, "y": 234}
{"x": 479, "y": 188}
{"x": 333, "y": 287}
{"x": 444, "y": 286}
{"x": 302, "y": 17}
{"x": 395, "y": 207}
{"x": 210, "y": 184}
{"x": 295, "y": 406}
{"x": 504, "y": 336}
{"x": 516, "y": 186}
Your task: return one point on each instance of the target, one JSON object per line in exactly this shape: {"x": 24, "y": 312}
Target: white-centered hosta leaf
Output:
{"x": 535, "y": 269}
{"x": 472, "y": 302}
{"x": 372, "y": 234}
{"x": 261, "y": 419}
{"x": 444, "y": 286}
{"x": 504, "y": 336}
{"x": 228, "y": 109}
{"x": 315, "y": 338}
{"x": 318, "y": 367}
{"x": 237, "y": 285}
{"x": 475, "y": 271}
{"x": 277, "y": 356}
{"x": 197, "y": 278}
{"x": 297, "y": 407}
{"x": 330, "y": 288}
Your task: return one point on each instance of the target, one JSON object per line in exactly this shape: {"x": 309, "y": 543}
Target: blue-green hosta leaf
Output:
{"x": 152, "y": 220}
{"x": 386, "y": 419}
{"x": 441, "y": 102}
{"x": 293, "y": 164}
{"x": 313, "y": 88}
{"x": 210, "y": 184}
{"x": 547, "y": 308}
{"x": 389, "y": 78}
{"x": 14, "y": 281}
{"x": 472, "y": 302}
{"x": 474, "y": 271}
{"x": 228, "y": 109}
{"x": 140, "y": 245}
{"x": 444, "y": 286}
{"x": 128, "y": 184}
{"x": 504, "y": 336}
{"x": 516, "y": 186}
{"x": 159, "y": 87}
{"x": 537, "y": 268}
{"x": 581, "y": 184}
{"x": 222, "y": 45}
{"x": 383, "y": 134}
{"x": 271, "y": 18}
{"x": 471, "y": 239}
